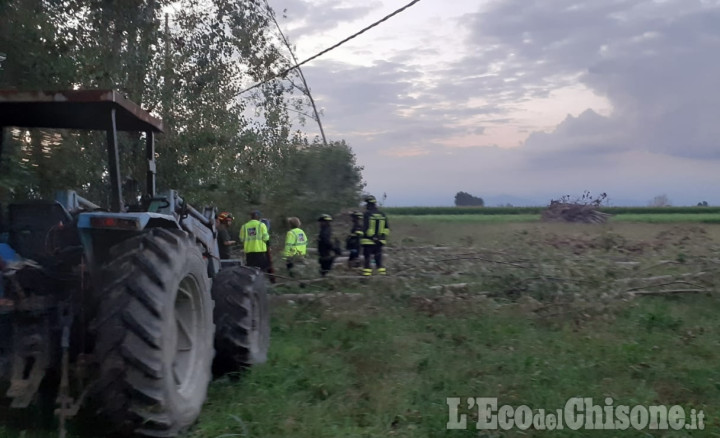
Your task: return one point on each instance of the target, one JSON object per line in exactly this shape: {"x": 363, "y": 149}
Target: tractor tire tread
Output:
{"x": 128, "y": 331}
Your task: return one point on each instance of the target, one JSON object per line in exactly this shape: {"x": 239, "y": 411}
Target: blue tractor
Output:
{"x": 118, "y": 311}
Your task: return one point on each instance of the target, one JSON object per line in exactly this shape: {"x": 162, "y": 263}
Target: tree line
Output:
{"x": 186, "y": 62}
{"x": 464, "y": 199}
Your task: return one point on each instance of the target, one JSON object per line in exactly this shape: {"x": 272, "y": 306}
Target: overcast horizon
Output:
{"x": 519, "y": 102}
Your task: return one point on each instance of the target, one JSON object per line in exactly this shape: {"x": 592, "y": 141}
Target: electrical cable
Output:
{"x": 335, "y": 46}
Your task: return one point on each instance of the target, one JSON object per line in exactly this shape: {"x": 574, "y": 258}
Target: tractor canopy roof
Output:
{"x": 74, "y": 109}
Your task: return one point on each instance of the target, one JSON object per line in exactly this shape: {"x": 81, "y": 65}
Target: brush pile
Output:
{"x": 583, "y": 210}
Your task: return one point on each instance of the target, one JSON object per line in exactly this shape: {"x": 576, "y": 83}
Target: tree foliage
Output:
{"x": 464, "y": 199}
{"x": 319, "y": 179}
{"x": 186, "y": 62}
{"x": 660, "y": 201}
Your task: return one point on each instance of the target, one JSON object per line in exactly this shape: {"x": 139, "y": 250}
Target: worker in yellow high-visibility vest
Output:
{"x": 295, "y": 245}
{"x": 254, "y": 236}
{"x": 375, "y": 232}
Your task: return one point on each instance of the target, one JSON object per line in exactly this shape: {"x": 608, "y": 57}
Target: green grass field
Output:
{"x": 709, "y": 215}
{"x": 469, "y": 218}
{"x": 504, "y": 211}
{"x": 388, "y": 372}
{"x": 527, "y": 312}
{"x": 663, "y": 218}
{"x": 657, "y": 218}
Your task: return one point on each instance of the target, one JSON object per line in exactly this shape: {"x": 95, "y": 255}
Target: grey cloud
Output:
{"x": 377, "y": 102}
{"x": 319, "y": 17}
{"x": 654, "y": 61}
{"x": 588, "y": 134}
{"x": 359, "y": 90}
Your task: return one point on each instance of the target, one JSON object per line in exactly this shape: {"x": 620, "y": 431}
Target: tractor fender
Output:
{"x": 126, "y": 221}
{"x": 100, "y": 231}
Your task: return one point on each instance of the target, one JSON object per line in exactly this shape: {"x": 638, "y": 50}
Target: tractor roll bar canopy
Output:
{"x": 105, "y": 110}
{"x": 75, "y": 109}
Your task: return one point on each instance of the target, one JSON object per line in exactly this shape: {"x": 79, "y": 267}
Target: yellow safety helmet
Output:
{"x": 225, "y": 217}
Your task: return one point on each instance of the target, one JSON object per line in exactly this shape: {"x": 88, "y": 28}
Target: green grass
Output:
{"x": 504, "y": 211}
{"x": 417, "y": 211}
{"x": 383, "y": 363}
{"x": 469, "y": 218}
{"x": 390, "y": 372}
{"x": 707, "y": 218}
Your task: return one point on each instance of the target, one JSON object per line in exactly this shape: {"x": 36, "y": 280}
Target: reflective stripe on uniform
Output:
{"x": 376, "y": 229}
{"x": 372, "y": 242}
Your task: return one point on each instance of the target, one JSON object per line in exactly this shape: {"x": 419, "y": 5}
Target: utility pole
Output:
{"x": 302, "y": 76}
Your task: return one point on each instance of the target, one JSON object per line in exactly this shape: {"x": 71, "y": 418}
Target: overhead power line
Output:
{"x": 306, "y": 91}
{"x": 335, "y": 46}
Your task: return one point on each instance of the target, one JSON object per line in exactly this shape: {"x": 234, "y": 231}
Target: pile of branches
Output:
{"x": 584, "y": 209}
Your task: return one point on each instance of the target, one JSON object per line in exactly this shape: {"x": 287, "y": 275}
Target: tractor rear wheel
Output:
{"x": 153, "y": 335}
{"x": 242, "y": 319}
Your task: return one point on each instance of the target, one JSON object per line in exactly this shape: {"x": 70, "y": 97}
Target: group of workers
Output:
{"x": 367, "y": 236}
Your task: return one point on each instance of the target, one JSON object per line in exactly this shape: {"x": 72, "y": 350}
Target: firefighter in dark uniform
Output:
{"x": 352, "y": 243}
{"x": 375, "y": 232}
{"x": 327, "y": 247}
{"x": 223, "y": 222}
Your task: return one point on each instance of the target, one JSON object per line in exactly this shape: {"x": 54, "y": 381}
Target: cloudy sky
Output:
{"x": 520, "y": 101}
